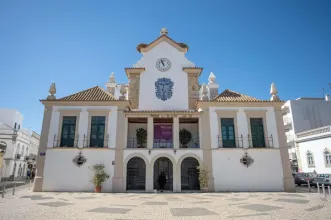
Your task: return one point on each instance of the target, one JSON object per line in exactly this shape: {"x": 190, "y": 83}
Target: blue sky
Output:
{"x": 77, "y": 44}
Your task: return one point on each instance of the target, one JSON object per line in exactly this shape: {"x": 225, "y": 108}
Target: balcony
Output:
{"x": 163, "y": 143}
{"x": 289, "y": 138}
{"x": 224, "y": 142}
{"x": 133, "y": 143}
{"x": 70, "y": 141}
{"x": 192, "y": 143}
{"x": 96, "y": 142}
{"x": 287, "y": 122}
{"x": 256, "y": 142}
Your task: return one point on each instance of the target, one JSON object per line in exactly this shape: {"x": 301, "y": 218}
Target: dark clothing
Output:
{"x": 162, "y": 181}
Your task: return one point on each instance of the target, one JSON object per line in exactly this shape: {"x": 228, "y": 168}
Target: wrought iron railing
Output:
{"x": 87, "y": 143}
{"x": 163, "y": 143}
{"x": 194, "y": 143}
{"x": 256, "y": 142}
{"x": 228, "y": 142}
{"x": 57, "y": 142}
{"x": 133, "y": 143}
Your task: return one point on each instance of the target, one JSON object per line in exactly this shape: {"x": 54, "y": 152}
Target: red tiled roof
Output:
{"x": 93, "y": 94}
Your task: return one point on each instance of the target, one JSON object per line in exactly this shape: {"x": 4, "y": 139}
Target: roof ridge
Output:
{"x": 79, "y": 92}
{"x": 230, "y": 95}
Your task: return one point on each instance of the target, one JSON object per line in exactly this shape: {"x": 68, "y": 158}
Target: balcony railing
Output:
{"x": 133, "y": 143}
{"x": 256, "y": 142}
{"x": 101, "y": 143}
{"x": 194, "y": 143}
{"x": 57, "y": 142}
{"x": 228, "y": 142}
{"x": 162, "y": 143}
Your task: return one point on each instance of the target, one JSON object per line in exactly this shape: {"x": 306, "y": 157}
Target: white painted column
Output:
{"x": 200, "y": 132}
{"x": 243, "y": 126}
{"x": 272, "y": 127}
{"x": 53, "y": 128}
{"x": 82, "y": 127}
{"x": 150, "y": 132}
{"x": 175, "y": 132}
{"x": 149, "y": 178}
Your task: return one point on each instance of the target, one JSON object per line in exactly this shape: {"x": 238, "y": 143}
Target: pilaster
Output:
{"x": 287, "y": 174}
{"x": 39, "y": 178}
{"x": 150, "y": 132}
{"x": 175, "y": 132}
{"x": 83, "y": 125}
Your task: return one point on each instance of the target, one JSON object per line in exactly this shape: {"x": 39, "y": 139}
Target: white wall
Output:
{"x": 147, "y": 97}
{"x": 61, "y": 174}
{"x": 317, "y": 148}
{"x": 83, "y": 123}
{"x": 265, "y": 174}
{"x": 10, "y": 116}
{"x": 242, "y": 125}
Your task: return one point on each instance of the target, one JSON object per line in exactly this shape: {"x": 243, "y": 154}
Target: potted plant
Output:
{"x": 141, "y": 135}
{"x": 99, "y": 176}
{"x": 203, "y": 178}
{"x": 185, "y": 137}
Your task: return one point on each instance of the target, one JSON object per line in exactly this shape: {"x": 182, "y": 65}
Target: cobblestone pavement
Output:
{"x": 185, "y": 206}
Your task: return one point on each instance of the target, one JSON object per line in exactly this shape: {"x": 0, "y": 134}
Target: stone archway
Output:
{"x": 163, "y": 164}
{"x": 136, "y": 174}
{"x": 189, "y": 174}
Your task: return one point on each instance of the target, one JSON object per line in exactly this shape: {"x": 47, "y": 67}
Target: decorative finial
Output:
{"x": 123, "y": 92}
{"x": 273, "y": 92}
{"x": 112, "y": 78}
{"x": 211, "y": 78}
{"x": 52, "y": 91}
{"x": 164, "y": 31}
{"x": 204, "y": 92}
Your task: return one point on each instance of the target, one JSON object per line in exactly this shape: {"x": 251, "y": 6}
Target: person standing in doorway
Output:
{"x": 162, "y": 181}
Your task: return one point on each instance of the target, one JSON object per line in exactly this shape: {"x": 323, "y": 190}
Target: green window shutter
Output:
{"x": 97, "y": 135}
{"x": 257, "y": 131}
{"x": 228, "y": 133}
{"x": 68, "y": 131}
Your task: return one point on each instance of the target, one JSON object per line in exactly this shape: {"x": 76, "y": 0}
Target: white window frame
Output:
{"x": 310, "y": 155}
{"x": 327, "y": 153}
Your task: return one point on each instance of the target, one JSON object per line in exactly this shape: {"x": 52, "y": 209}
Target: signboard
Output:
{"x": 42, "y": 154}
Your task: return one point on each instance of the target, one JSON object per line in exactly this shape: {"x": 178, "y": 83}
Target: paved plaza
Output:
{"x": 138, "y": 206}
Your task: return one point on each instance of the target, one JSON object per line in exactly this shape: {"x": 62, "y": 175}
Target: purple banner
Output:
{"x": 163, "y": 132}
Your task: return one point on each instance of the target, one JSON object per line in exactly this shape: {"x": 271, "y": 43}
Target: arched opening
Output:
{"x": 189, "y": 174}
{"x": 136, "y": 174}
{"x": 163, "y": 165}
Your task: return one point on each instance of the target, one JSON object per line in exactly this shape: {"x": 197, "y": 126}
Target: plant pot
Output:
{"x": 97, "y": 189}
{"x": 204, "y": 190}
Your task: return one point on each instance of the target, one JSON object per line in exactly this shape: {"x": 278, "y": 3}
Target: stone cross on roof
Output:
{"x": 273, "y": 92}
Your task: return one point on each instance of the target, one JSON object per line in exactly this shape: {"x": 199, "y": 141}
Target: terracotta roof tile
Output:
{"x": 93, "y": 94}
{"x": 232, "y": 96}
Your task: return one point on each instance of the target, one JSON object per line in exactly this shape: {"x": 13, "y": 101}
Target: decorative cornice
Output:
{"x": 314, "y": 132}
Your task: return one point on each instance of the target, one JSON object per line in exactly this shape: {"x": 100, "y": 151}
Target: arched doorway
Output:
{"x": 163, "y": 164}
{"x": 189, "y": 174}
{"x": 136, "y": 174}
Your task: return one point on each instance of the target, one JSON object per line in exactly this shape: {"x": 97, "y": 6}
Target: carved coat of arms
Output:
{"x": 79, "y": 160}
{"x": 163, "y": 88}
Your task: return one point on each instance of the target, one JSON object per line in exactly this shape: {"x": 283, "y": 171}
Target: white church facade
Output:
{"x": 163, "y": 121}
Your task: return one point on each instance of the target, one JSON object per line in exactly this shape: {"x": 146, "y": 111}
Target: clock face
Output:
{"x": 163, "y": 64}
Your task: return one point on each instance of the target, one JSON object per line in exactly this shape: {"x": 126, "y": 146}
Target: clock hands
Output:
{"x": 162, "y": 62}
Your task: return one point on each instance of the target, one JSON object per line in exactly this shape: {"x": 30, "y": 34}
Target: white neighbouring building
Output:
{"x": 301, "y": 115}
{"x": 163, "y": 120}
{"x": 21, "y": 154}
{"x": 314, "y": 150}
